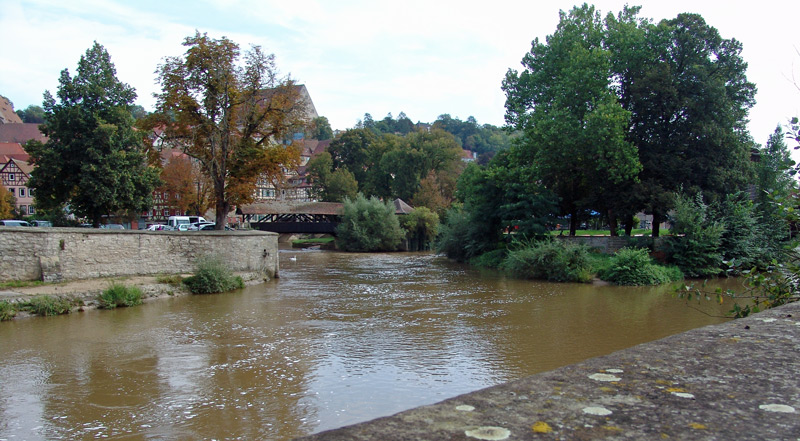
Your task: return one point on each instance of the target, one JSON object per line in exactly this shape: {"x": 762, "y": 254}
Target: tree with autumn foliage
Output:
{"x": 231, "y": 118}
{"x": 7, "y": 204}
{"x": 188, "y": 188}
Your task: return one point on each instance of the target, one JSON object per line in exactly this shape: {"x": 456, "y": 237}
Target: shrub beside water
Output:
{"x": 48, "y": 305}
{"x": 119, "y": 295}
{"x": 634, "y": 266}
{"x": 553, "y": 260}
{"x": 492, "y": 259}
{"x": 7, "y": 310}
{"x": 212, "y": 276}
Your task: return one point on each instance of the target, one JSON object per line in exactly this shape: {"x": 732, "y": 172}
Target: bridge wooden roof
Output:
{"x": 292, "y": 207}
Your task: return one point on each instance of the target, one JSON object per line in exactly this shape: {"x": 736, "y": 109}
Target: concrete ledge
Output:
{"x": 735, "y": 381}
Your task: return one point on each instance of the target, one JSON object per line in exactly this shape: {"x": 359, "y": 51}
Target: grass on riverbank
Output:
{"x": 8, "y": 310}
{"x": 22, "y": 284}
{"x": 212, "y": 276}
{"x": 313, "y": 241}
{"x": 47, "y": 306}
{"x": 119, "y": 295}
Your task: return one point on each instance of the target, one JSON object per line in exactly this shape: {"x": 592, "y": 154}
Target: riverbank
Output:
{"x": 85, "y": 292}
{"x": 737, "y": 380}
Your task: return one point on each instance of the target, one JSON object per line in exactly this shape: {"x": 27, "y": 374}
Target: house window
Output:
{"x": 166, "y": 212}
{"x": 11, "y": 177}
{"x": 31, "y": 210}
{"x": 30, "y": 192}
{"x": 22, "y": 192}
{"x": 12, "y": 190}
{"x": 23, "y": 210}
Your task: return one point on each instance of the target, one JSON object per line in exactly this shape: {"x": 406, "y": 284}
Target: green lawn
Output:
{"x": 320, "y": 240}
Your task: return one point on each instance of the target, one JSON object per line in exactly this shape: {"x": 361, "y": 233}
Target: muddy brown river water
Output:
{"x": 338, "y": 339}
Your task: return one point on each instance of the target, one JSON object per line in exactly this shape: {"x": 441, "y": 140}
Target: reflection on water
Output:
{"x": 340, "y": 338}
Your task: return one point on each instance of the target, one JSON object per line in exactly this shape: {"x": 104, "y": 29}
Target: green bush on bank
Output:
{"x": 47, "y": 306}
{"x": 212, "y": 276}
{"x": 7, "y": 310}
{"x": 368, "y": 225}
{"x": 696, "y": 247}
{"x": 493, "y": 259}
{"x": 552, "y": 260}
{"x": 119, "y": 295}
{"x": 635, "y": 267}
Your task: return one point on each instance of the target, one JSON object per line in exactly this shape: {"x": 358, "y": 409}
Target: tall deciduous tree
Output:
{"x": 351, "y": 151}
{"x": 330, "y": 185}
{"x": 31, "y": 114}
{"x": 93, "y": 159}
{"x": 230, "y": 118}
{"x": 689, "y": 97}
{"x": 320, "y": 129}
{"x": 574, "y": 126}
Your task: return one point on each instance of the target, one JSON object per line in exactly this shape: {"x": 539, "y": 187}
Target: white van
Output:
{"x": 13, "y": 223}
{"x": 176, "y": 221}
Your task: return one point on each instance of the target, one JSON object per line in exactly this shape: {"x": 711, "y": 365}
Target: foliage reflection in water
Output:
{"x": 338, "y": 339}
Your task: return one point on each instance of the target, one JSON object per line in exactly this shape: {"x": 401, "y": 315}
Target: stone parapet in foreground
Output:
{"x": 735, "y": 381}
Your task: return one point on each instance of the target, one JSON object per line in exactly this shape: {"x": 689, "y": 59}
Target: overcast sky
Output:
{"x": 424, "y": 58}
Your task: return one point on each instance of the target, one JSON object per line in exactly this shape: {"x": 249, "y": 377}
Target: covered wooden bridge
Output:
{"x": 300, "y": 216}
{"x": 293, "y": 216}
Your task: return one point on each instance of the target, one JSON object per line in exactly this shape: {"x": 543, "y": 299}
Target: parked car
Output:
{"x": 41, "y": 223}
{"x": 158, "y": 227}
{"x": 182, "y": 227}
{"x": 199, "y": 225}
{"x": 13, "y": 223}
{"x": 213, "y": 226}
{"x": 113, "y": 226}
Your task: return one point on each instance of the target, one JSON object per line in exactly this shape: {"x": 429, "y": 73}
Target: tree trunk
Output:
{"x": 656, "y": 224}
{"x": 612, "y": 223}
{"x": 628, "y": 225}
{"x": 573, "y": 223}
{"x": 222, "y": 207}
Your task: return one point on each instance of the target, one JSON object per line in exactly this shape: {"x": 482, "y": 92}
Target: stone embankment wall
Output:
{"x": 59, "y": 254}
{"x": 607, "y": 244}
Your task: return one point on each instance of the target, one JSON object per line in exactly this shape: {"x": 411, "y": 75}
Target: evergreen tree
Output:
{"x": 93, "y": 159}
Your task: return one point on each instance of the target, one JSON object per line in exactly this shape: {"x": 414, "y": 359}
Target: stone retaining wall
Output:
{"x": 607, "y": 244}
{"x": 58, "y": 254}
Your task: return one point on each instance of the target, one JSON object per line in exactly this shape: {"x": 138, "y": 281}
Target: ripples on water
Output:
{"x": 340, "y": 338}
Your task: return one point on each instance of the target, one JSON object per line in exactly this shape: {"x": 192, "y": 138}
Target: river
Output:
{"x": 338, "y": 339}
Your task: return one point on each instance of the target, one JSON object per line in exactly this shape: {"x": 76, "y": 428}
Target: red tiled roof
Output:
{"x": 7, "y": 115}
{"x": 13, "y": 150}
{"x": 321, "y": 147}
{"x": 21, "y": 133}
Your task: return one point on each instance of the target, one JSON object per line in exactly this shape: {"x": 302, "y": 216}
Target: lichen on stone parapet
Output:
{"x": 488, "y": 433}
